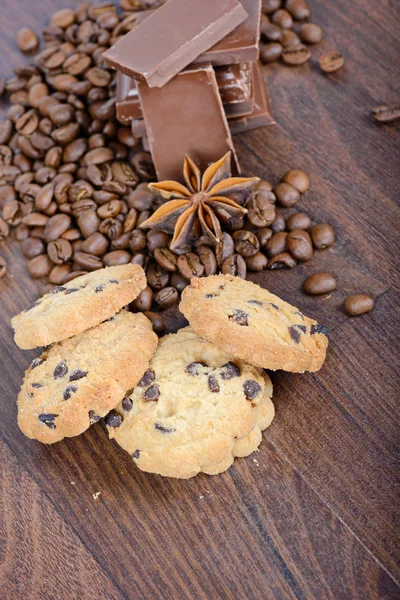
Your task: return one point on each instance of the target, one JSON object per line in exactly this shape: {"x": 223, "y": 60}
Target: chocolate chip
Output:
{"x": 210, "y": 296}
{"x": 194, "y": 368}
{"x": 163, "y": 429}
{"x": 37, "y": 385}
{"x": 57, "y": 289}
{"x": 213, "y": 384}
{"x": 71, "y": 389}
{"x": 229, "y": 371}
{"x": 273, "y": 305}
{"x": 93, "y": 417}
{"x": 147, "y": 378}
{"x": 255, "y": 302}
{"x": 60, "y": 371}
{"x": 251, "y": 389}
{"x": 100, "y": 288}
{"x": 113, "y": 419}
{"x": 318, "y": 329}
{"x": 240, "y": 317}
{"x": 127, "y": 404}
{"x": 78, "y": 374}
{"x": 295, "y": 332}
{"x": 136, "y": 454}
{"x": 71, "y": 290}
{"x": 113, "y": 281}
{"x": 36, "y": 362}
{"x": 296, "y": 312}
{"x": 151, "y": 394}
{"x": 48, "y": 420}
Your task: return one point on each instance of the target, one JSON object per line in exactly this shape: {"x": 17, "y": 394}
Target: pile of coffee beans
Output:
{"x": 285, "y": 35}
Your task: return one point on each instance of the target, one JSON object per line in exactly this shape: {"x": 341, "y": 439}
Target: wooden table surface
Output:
{"x": 313, "y": 513}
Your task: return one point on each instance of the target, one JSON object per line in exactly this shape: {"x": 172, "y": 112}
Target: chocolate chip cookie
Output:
{"x": 78, "y": 305}
{"x": 249, "y": 323}
{"x": 194, "y": 409}
{"x": 76, "y": 382}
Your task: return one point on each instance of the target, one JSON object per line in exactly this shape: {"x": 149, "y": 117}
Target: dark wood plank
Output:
{"x": 41, "y": 556}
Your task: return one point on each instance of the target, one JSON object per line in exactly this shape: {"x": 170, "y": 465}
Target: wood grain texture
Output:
{"x": 313, "y": 514}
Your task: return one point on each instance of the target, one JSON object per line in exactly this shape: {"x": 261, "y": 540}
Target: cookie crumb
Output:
{"x": 96, "y": 495}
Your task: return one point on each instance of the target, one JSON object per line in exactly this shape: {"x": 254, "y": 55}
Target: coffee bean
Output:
{"x": 178, "y": 281}
{"x": 258, "y": 262}
{"x": 272, "y": 32}
{"x": 63, "y": 18}
{"x": 298, "y": 179}
{"x": 208, "y": 260}
{"x": 75, "y": 150}
{"x": 234, "y": 265}
{"x": 358, "y": 305}
{"x": 56, "y": 226}
{"x": 89, "y": 262}
{"x": 263, "y": 235}
{"x": 270, "y": 6}
{"x": 35, "y": 219}
{"x": 387, "y": 113}
{"x": 246, "y": 243}
{"x": 59, "y": 251}
{"x": 21, "y": 232}
{"x": 141, "y": 198}
{"x": 96, "y": 244}
{"x": 323, "y": 236}
{"x": 157, "y": 277}
{"x": 117, "y": 257}
{"x": 290, "y": 38}
{"x": 157, "y": 321}
{"x": 98, "y": 77}
{"x": 156, "y": 239}
{"x": 319, "y": 283}
{"x": 12, "y": 213}
{"x": 299, "y": 245}
{"x": 89, "y": 223}
{"x": 261, "y": 207}
{"x": 3, "y": 267}
{"x": 58, "y": 274}
{"x": 298, "y": 220}
{"x": 270, "y": 52}
{"x": 138, "y": 241}
{"x": 331, "y": 61}
{"x": 27, "y": 40}
{"x": 98, "y": 156}
{"x": 296, "y": 55}
{"x": 32, "y": 247}
{"x": 4, "y": 229}
{"x": 40, "y": 266}
{"x": 190, "y": 266}
{"x": 299, "y": 9}
{"x": 310, "y": 33}
{"x": 143, "y": 302}
{"x": 166, "y": 297}
{"x": 281, "y": 261}
{"x": 276, "y": 244}
{"x": 283, "y": 19}
{"x": 143, "y": 165}
{"x": 286, "y": 194}
{"x": 165, "y": 259}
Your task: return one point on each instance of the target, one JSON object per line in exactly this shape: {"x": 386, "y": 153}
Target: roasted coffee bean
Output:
{"x": 74, "y": 151}
{"x": 58, "y": 274}
{"x": 37, "y": 232}
{"x": 331, "y": 61}
{"x": 298, "y": 220}
{"x": 234, "y": 265}
{"x": 59, "y": 251}
{"x": 4, "y": 229}
{"x": 298, "y": 179}
{"x": 323, "y": 236}
{"x": 56, "y": 226}
{"x": 157, "y": 277}
{"x": 279, "y": 224}
{"x": 27, "y": 40}
{"x": 246, "y": 243}
{"x": 282, "y": 260}
{"x": 310, "y": 33}
{"x": 156, "y": 239}
{"x": 271, "y": 32}
{"x": 12, "y": 213}
{"x": 6, "y": 130}
{"x": 261, "y": 207}
{"x": 32, "y": 247}
{"x": 89, "y": 222}
{"x": 121, "y": 243}
{"x": 80, "y": 206}
{"x": 299, "y": 9}
{"x": 282, "y": 18}
{"x": 290, "y": 38}
{"x": 319, "y": 283}
{"x": 286, "y": 194}
{"x": 21, "y": 232}
{"x": 72, "y": 234}
{"x": 358, "y": 305}
{"x": 98, "y": 156}
{"x": 296, "y": 55}
{"x": 123, "y": 173}
{"x": 208, "y": 260}
{"x": 157, "y": 321}
{"x": 143, "y": 165}
{"x": 263, "y": 235}
{"x": 88, "y": 261}
{"x": 270, "y": 52}
{"x": 35, "y": 219}
{"x": 386, "y": 113}
{"x": 74, "y": 274}
{"x": 40, "y": 266}
{"x": 257, "y": 262}
{"x": 178, "y": 281}
{"x": 166, "y": 297}
{"x": 228, "y": 247}
{"x": 276, "y": 244}
{"x": 299, "y": 245}
{"x": 138, "y": 240}
{"x": 62, "y": 18}
{"x": 270, "y": 6}
{"x": 109, "y": 209}
{"x": 3, "y": 267}
{"x": 189, "y": 265}
{"x": 117, "y": 257}
{"x": 98, "y": 77}
{"x": 144, "y": 301}
{"x": 165, "y": 259}
{"x": 66, "y": 134}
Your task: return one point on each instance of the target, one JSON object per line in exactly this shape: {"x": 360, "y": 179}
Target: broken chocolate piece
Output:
{"x": 48, "y": 419}
{"x": 127, "y": 404}
{"x": 152, "y": 394}
{"x": 147, "y": 378}
{"x": 61, "y": 370}
{"x": 229, "y": 371}
{"x": 251, "y": 389}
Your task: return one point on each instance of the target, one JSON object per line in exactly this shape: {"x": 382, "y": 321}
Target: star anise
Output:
{"x": 206, "y": 205}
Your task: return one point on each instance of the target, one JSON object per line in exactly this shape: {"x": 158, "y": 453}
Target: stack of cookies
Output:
{"x": 188, "y": 403}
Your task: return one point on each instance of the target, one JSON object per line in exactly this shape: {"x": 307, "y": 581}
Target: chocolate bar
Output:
{"x": 261, "y": 115}
{"x": 235, "y": 84}
{"x": 240, "y": 45}
{"x": 127, "y": 104}
{"x": 186, "y": 116}
{"x": 168, "y": 40}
